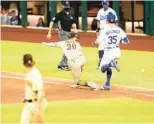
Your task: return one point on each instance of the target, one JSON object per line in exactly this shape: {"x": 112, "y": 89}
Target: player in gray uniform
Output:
{"x": 73, "y": 51}
{"x": 65, "y": 21}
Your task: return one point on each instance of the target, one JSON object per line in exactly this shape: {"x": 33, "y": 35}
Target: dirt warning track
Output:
{"x": 59, "y": 89}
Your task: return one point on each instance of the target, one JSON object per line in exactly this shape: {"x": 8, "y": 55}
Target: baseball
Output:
{"x": 142, "y": 70}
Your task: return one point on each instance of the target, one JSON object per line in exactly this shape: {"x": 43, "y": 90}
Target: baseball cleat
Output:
{"x": 106, "y": 87}
{"x": 98, "y": 67}
{"x": 75, "y": 86}
{"x": 65, "y": 68}
{"x": 59, "y": 68}
{"x": 115, "y": 65}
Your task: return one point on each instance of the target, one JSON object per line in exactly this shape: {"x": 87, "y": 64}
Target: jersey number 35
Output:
{"x": 112, "y": 39}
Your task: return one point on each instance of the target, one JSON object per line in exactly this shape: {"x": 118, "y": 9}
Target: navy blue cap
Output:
{"x": 66, "y": 4}
{"x": 105, "y": 2}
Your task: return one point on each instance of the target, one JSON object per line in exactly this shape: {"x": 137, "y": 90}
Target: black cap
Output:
{"x": 66, "y": 4}
{"x": 28, "y": 60}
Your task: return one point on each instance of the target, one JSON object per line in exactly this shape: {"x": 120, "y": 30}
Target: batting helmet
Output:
{"x": 111, "y": 17}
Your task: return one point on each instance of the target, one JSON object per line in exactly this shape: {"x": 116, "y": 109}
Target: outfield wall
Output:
{"x": 31, "y": 34}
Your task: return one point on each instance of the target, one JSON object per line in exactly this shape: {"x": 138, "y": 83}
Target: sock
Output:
{"x": 109, "y": 74}
{"x": 100, "y": 54}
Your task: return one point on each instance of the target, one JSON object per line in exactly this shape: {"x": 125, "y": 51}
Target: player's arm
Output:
{"x": 99, "y": 38}
{"x": 97, "y": 41}
{"x": 74, "y": 27}
{"x": 40, "y": 96}
{"x": 54, "y": 44}
{"x": 50, "y": 27}
{"x": 98, "y": 22}
{"x": 54, "y": 20}
{"x": 38, "y": 89}
{"x": 124, "y": 38}
{"x": 116, "y": 19}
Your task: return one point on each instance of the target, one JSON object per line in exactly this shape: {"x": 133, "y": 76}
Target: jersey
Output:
{"x": 111, "y": 36}
{"x": 102, "y": 16}
{"x": 33, "y": 84}
{"x": 72, "y": 49}
{"x": 65, "y": 20}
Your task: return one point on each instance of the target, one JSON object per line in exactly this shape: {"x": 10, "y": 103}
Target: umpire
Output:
{"x": 65, "y": 21}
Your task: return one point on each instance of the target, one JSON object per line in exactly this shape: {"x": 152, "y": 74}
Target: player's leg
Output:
{"x": 38, "y": 117}
{"x": 76, "y": 74}
{"x": 117, "y": 55}
{"x": 26, "y": 115}
{"x": 63, "y": 63}
{"x": 108, "y": 78}
{"x": 105, "y": 67}
{"x": 76, "y": 71}
{"x": 100, "y": 55}
{"x": 109, "y": 60}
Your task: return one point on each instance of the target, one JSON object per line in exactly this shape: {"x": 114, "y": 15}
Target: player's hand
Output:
{"x": 76, "y": 31}
{"x": 44, "y": 43}
{"x": 35, "y": 115}
{"x": 49, "y": 36}
{"x": 93, "y": 43}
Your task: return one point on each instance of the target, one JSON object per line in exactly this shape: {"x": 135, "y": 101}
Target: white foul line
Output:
{"x": 19, "y": 78}
{"x": 67, "y": 80}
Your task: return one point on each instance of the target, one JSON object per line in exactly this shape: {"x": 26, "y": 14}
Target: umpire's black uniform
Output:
{"x": 65, "y": 20}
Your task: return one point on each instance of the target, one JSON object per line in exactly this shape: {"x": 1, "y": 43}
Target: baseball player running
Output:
{"x": 111, "y": 37}
{"x": 65, "y": 21}
{"x": 73, "y": 52}
{"x": 102, "y": 23}
{"x": 35, "y": 102}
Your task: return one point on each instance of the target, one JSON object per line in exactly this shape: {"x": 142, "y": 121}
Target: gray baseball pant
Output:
{"x": 63, "y": 35}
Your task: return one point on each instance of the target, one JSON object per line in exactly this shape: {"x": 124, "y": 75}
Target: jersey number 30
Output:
{"x": 71, "y": 46}
{"x": 113, "y": 39}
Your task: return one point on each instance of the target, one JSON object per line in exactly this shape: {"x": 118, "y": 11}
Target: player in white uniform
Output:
{"x": 73, "y": 52}
{"x": 102, "y": 23}
{"x": 35, "y": 101}
{"x": 111, "y": 37}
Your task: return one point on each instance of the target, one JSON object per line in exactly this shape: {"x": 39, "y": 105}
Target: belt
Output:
{"x": 112, "y": 47}
{"x": 30, "y": 100}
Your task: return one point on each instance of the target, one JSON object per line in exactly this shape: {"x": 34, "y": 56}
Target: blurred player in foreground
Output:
{"x": 35, "y": 101}
{"x": 102, "y": 23}
{"x": 111, "y": 37}
{"x": 73, "y": 52}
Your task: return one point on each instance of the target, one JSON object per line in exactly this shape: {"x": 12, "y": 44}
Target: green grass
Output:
{"x": 131, "y": 63}
{"x": 100, "y": 110}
